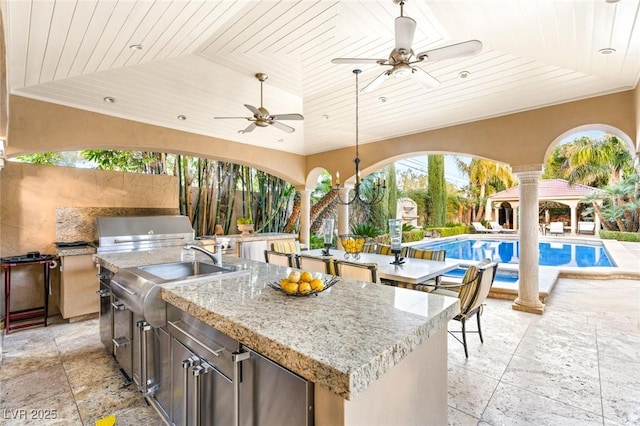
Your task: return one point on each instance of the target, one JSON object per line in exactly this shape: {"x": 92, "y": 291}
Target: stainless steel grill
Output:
{"x": 130, "y": 233}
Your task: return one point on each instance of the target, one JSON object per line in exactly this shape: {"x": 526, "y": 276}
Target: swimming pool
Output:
{"x": 503, "y": 251}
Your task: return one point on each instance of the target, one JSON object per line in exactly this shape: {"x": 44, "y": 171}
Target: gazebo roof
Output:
{"x": 550, "y": 189}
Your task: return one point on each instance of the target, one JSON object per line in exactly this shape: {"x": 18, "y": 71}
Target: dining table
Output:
{"x": 412, "y": 270}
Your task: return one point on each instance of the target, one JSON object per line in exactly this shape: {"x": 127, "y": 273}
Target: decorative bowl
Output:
{"x": 352, "y": 244}
{"x": 327, "y": 284}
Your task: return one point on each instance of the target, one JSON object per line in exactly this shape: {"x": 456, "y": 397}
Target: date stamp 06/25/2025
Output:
{"x": 27, "y": 414}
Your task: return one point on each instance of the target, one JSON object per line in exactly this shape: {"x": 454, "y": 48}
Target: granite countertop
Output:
{"x": 344, "y": 339}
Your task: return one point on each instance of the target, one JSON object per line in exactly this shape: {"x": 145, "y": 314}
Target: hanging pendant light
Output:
{"x": 379, "y": 185}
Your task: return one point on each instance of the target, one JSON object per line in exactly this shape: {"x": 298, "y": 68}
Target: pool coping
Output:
{"x": 625, "y": 261}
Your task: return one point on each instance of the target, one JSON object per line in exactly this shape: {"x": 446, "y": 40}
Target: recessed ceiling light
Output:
{"x": 280, "y": 140}
{"x": 182, "y": 117}
{"x": 136, "y": 47}
{"x": 607, "y": 51}
{"x": 612, "y": 1}
{"x": 464, "y": 74}
{"x": 325, "y": 116}
{"x": 382, "y": 99}
{"x": 109, "y": 100}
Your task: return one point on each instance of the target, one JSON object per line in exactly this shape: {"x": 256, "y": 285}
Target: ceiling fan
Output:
{"x": 261, "y": 116}
{"x": 402, "y": 58}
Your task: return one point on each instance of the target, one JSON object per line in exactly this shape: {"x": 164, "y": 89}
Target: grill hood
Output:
{"x": 129, "y": 233}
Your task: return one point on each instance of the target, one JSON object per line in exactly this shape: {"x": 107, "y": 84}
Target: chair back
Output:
{"x": 315, "y": 264}
{"x": 286, "y": 246}
{"x": 357, "y": 271}
{"x": 556, "y": 228}
{"x": 475, "y": 292}
{"x": 370, "y": 246}
{"x": 278, "y": 258}
{"x": 384, "y": 249}
{"x": 426, "y": 254}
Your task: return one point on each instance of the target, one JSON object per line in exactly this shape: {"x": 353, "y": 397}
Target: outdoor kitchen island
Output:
{"x": 375, "y": 354}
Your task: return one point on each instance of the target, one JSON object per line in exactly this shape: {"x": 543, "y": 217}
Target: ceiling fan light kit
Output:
{"x": 402, "y": 58}
{"x": 261, "y": 116}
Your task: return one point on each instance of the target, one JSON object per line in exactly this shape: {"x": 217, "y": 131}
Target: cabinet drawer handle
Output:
{"x": 215, "y": 352}
{"x": 121, "y": 341}
{"x": 118, "y": 306}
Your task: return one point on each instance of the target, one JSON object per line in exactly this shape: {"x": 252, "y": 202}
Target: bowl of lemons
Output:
{"x": 302, "y": 283}
{"x": 352, "y": 244}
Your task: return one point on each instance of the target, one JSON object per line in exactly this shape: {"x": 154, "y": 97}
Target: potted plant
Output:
{"x": 245, "y": 225}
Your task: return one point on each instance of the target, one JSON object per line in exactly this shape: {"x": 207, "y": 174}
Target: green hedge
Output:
{"x": 407, "y": 237}
{"x": 632, "y": 237}
{"x": 448, "y": 231}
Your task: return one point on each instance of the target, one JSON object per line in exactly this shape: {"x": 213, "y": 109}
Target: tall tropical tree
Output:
{"x": 484, "y": 177}
{"x": 588, "y": 161}
{"x": 437, "y": 190}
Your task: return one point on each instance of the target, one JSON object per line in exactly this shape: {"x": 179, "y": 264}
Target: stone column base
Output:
{"x": 521, "y": 305}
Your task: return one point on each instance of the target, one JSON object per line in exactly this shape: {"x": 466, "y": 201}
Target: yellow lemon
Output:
{"x": 284, "y": 282}
{"x": 317, "y": 284}
{"x": 294, "y": 276}
{"x": 304, "y": 288}
{"x": 306, "y": 276}
{"x": 291, "y": 288}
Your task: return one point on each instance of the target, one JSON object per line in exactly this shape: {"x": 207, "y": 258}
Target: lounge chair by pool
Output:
{"x": 481, "y": 229}
{"x": 496, "y": 226}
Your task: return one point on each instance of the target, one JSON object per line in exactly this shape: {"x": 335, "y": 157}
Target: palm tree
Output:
{"x": 481, "y": 174}
{"x": 593, "y": 162}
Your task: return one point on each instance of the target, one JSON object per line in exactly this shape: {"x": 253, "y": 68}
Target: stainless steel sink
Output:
{"x": 183, "y": 270}
{"x": 139, "y": 288}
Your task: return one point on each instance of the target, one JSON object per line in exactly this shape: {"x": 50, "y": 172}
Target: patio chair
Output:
{"x": 426, "y": 254}
{"x": 278, "y": 258}
{"x": 473, "y": 292}
{"x": 556, "y": 228}
{"x": 481, "y": 229}
{"x": 315, "y": 264}
{"x": 286, "y": 246}
{"x": 586, "y": 228}
{"x": 496, "y": 225}
{"x": 356, "y": 271}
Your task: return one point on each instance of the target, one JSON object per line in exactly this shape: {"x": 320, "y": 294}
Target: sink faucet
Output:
{"x": 215, "y": 257}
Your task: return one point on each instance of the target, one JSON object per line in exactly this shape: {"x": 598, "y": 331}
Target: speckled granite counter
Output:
{"x": 344, "y": 339}
{"x": 76, "y": 251}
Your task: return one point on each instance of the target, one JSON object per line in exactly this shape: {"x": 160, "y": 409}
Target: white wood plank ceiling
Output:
{"x": 199, "y": 58}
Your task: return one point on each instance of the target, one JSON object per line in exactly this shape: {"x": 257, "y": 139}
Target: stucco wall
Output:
{"x": 30, "y": 194}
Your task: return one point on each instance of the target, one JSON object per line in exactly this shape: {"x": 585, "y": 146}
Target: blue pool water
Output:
{"x": 504, "y": 276}
{"x": 551, "y": 254}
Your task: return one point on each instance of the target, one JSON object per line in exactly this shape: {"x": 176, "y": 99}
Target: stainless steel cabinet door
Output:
{"x": 271, "y": 395}
{"x": 201, "y": 394}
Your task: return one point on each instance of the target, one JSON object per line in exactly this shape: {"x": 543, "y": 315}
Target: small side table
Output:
{"x": 40, "y": 312}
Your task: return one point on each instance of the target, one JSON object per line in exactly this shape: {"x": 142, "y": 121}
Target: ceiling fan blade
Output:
{"x": 253, "y": 109}
{"x": 283, "y": 127}
{"x": 249, "y": 128}
{"x": 226, "y": 118}
{"x": 465, "y": 48}
{"x": 376, "y": 83}
{"x": 287, "y": 117}
{"x": 424, "y": 78}
{"x": 357, "y": 61}
{"x": 405, "y": 29}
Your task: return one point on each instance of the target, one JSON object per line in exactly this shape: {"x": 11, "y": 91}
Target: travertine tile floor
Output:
{"x": 578, "y": 364}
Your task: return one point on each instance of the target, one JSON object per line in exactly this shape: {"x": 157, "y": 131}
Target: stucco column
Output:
{"x": 528, "y": 289}
{"x": 514, "y": 215}
{"x": 305, "y": 215}
{"x": 343, "y": 213}
{"x": 596, "y": 221}
{"x": 574, "y": 218}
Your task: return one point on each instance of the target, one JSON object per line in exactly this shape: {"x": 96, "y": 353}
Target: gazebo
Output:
{"x": 550, "y": 191}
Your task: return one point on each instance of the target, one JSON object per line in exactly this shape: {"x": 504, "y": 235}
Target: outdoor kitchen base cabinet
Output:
{"x": 217, "y": 381}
